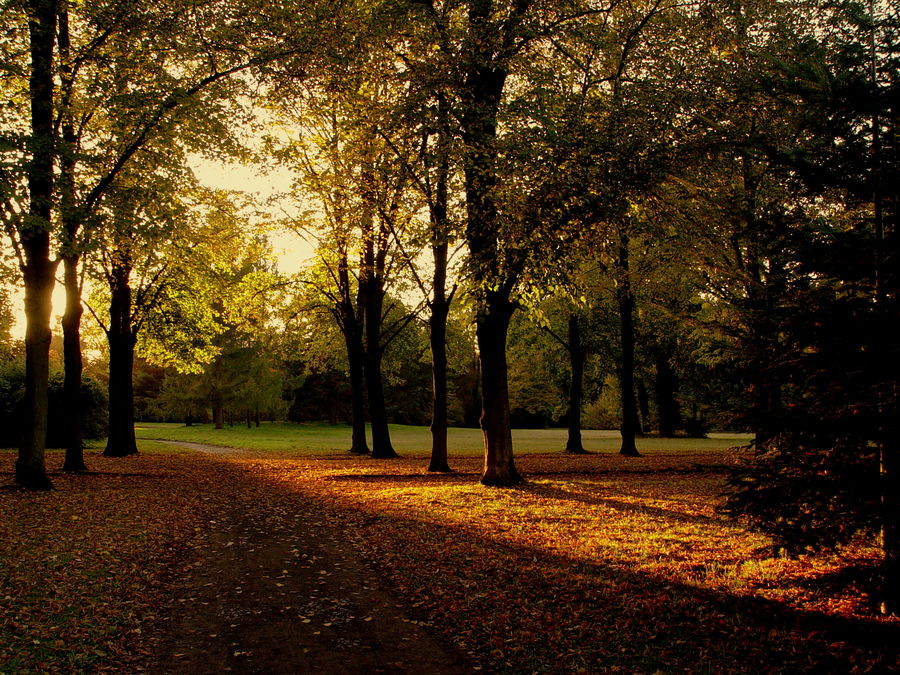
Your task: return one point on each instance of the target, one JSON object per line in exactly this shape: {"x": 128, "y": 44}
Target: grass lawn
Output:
{"x": 414, "y": 441}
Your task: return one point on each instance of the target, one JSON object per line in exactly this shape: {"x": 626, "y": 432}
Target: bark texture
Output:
{"x": 38, "y": 271}
{"x": 492, "y": 328}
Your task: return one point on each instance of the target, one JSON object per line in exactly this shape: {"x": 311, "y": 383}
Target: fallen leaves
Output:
{"x": 83, "y": 567}
{"x": 597, "y": 564}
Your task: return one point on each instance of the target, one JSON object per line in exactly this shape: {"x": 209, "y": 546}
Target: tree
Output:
{"x": 104, "y": 118}
{"x": 32, "y": 239}
{"x": 106, "y": 121}
{"x": 803, "y": 275}
{"x": 168, "y": 262}
{"x": 347, "y": 164}
{"x": 484, "y": 43}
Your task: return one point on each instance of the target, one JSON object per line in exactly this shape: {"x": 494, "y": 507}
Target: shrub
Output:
{"x": 12, "y": 397}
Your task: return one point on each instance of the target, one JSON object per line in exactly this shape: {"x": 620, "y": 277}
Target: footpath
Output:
{"x": 278, "y": 588}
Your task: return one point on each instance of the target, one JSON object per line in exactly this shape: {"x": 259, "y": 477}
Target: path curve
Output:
{"x": 208, "y": 449}
{"x": 278, "y": 587}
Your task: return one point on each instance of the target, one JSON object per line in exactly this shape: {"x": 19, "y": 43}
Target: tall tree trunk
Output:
{"x": 381, "y": 435}
{"x": 38, "y": 270}
{"x": 71, "y": 321}
{"x": 576, "y": 386}
{"x": 630, "y": 424}
{"x": 438, "y": 338}
{"x": 492, "y": 326}
{"x": 888, "y": 384}
{"x": 665, "y": 386}
{"x": 481, "y": 93}
{"x": 74, "y": 366}
{"x": 121, "y": 441}
{"x": 440, "y": 304}
{"x": 371, "y": 294}
{"x": 765, "y": 382}
{"x": 356, "y": 360}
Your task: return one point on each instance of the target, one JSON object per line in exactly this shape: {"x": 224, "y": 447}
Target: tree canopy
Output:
{"x": 692, "y": 207}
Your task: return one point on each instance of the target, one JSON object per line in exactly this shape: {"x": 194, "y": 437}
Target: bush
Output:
{"x": 12, "y": 398}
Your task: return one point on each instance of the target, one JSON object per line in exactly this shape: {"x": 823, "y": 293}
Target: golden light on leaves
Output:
{"x": 597, "y": 564}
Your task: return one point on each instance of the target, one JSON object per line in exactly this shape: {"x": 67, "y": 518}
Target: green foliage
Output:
{"x": 12, "y": 396}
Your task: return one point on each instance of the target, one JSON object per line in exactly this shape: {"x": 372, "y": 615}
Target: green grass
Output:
{"x": 412, "y": 441}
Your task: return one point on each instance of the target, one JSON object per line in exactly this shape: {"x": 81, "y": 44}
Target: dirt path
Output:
{"x": 278, "y": 588}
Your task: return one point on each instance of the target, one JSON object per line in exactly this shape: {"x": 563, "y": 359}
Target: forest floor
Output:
{"x": 182, "y": 561}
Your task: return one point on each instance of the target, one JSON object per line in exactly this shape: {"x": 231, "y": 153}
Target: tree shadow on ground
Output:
{"x": 530, "y": 609}
{"x": 539, "y": 489}
{"x": 551, "y": 492}
{"x": 551, "y": 613}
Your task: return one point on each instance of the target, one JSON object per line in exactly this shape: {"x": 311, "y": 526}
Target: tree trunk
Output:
{"x": 38, "y": 270}
{"x": 381, "y": 435}
{"x": 763, "y": 342}
{"x": 481, "y": 93}
{"x": 665, "y": 386}
{"x": 440, "y": 305}
{"x": 74, "y": 366}
{"x": 121, "y": 441}
{"x": 31, "y": 470}
{"x": 438, "y": 338}
{"x": 885, "y": 281}
{"x": 218, "y": 411}
{"x": 630, "y": 423}
{"x": 889, "y": 453}
{"x": 371, "y": 293}
{"x": 576, "y": 386}
{"x": 71, "y": 321}
{"x": 488, "y": 45}
{"x": 492, "y": 325}
{"x": 356, "y": 359}
{"x": 644, "y": 426}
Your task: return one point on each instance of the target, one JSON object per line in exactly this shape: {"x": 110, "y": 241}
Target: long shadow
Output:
{"x": 533, "y": 488}
{"x": 454, "y": 477}
{"x": 528, "y": 609}
{"x": 596, "y": 500}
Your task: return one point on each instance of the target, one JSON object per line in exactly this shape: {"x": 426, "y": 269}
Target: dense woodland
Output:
{"x": 658, "y": 216}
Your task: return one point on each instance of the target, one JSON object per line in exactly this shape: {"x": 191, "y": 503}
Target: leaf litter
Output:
{"x": 597, "y": 564}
